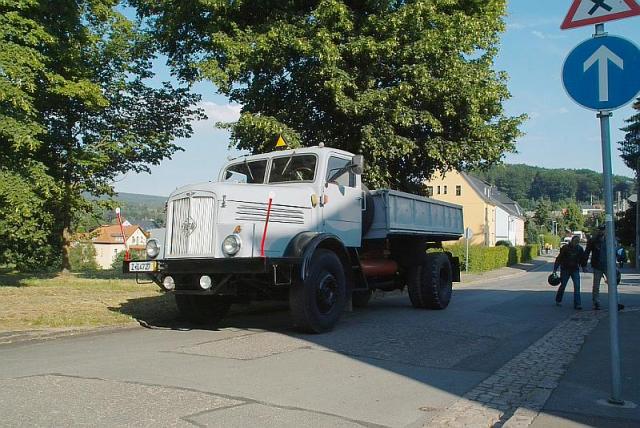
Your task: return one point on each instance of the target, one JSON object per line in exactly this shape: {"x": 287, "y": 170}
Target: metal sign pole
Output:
{"x": 614, "y": 342}
{"x": 466, "y": 257}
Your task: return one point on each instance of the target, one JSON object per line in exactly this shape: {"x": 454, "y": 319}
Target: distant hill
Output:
{"x": 136, "y": 208}
{"x": 527, "y": 184}
{"x": 140, "y": 199}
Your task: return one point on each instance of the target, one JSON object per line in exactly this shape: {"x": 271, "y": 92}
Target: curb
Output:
{"x": 36, "y": 336}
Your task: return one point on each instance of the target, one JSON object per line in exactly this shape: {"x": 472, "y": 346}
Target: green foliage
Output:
{"x": 527, "y": 184}
{"x": 543, "y": 213}
{"x": 25, "y": 219}
{"x": 573, "y": 218}
{"x": 410, "y": 85}
{"x": 82, "y": 257}
{"x": 119, "y": 259}
{"x": 23, "y": 69}
{"x": 77, "y": 105}
{"x": 630, "y": 147}
{"x": 550, "y": 238}
{"x": 532, "y": 232}
{"x": 626, "y": 226}
{"x": 482, "y": 259}
{"x": 631, "y": 255}
{"x": 504, "y": 243}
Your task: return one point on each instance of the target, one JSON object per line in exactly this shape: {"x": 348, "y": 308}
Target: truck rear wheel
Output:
{"x": 429, "y": 283}
{"x": 317, "y": 303}
{"x": 204, "y": 310}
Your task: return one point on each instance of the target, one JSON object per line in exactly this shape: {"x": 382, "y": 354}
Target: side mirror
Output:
{"x": 357, "y": 164}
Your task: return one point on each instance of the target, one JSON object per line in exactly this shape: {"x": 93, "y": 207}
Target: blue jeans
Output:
{"x": 564, "y": 280}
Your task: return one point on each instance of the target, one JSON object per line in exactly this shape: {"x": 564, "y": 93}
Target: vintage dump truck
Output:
{"x": 299, "y": 225}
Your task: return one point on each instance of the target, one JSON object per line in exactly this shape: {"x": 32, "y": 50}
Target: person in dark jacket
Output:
{"x": 597, "y": 248}
{"x": 570, "y": 259}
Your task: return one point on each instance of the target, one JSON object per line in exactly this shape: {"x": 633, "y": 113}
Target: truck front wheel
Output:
{"x": 317, "y": 302}
{"x": 429, "y": 283}
{"x": 204, "y": 310}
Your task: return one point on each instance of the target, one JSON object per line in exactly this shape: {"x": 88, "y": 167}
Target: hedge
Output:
{"x": 482, "y": 259}
{"x": 631, "y": 256}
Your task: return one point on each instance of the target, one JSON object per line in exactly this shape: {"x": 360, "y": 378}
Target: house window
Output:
{"x": 429, "y": 190}
{"x": 458, "y": 190}
{"x": 438, "y": 190}
{"x": 445, "y": 190}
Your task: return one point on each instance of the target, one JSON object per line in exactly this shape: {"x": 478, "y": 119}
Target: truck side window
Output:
{"x": 246, "y": 172}
{"x": 347, "y": 179}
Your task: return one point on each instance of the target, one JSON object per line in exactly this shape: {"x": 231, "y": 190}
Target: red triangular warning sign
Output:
{"x": 589, "y": 12}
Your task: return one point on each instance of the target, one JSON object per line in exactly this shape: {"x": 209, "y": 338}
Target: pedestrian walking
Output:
{"x": 570, "y": 259}
{"x": 597, "y": 249}
{"x": 621, "y": 256}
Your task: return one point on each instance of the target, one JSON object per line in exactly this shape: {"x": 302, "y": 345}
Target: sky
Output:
{"x": 558, "y": 133}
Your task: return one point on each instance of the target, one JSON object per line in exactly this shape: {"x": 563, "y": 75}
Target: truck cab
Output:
{"x": 288, "y": 225}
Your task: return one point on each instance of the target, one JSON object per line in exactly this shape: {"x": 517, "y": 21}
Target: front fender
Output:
{"x": 304, "y": 245}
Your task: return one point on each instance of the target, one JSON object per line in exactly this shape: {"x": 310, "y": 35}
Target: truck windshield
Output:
{"x": 251, "y": 172}
{"x": 293, "y": 168}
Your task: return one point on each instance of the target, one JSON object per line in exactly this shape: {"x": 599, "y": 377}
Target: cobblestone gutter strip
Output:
{"x": 514, "y": 395}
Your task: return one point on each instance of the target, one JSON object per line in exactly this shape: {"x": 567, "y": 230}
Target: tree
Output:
{"x": 409, "y": 84}
{"x": 573, "y": 218}
{"x": 554, "y": 185}
{"x": 626, "y": 226}
{"x": 630, "y": 152}
{"x": 26, "y": 191}
{"x": 543, "y": 213}
{"x": 82, "y": 257}
{"x": 630, "y": 147}
{"x": 97, "y": 114}
{"x": 25, "y": 219}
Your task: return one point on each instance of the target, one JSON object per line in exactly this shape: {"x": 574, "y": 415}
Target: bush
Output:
{"x": 135, "y": 255}
{"x": 631, "y": 255}
{"x": 482, "y": 259}
{"x": 504, "y": 243}
{"x": 82, "y": 257}
{"x": 550, "y": 238}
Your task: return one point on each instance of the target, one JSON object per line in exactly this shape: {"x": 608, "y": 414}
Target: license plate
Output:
{"x": 142, "y": 266}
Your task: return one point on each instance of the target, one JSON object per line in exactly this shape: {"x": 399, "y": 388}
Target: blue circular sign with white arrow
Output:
{"x": 602, "y": 73}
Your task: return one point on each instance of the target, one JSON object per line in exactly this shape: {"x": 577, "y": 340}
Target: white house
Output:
{"x": 108, "y": 242}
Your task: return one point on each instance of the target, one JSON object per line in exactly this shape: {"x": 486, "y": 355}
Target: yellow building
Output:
{"x": 491, "y": 215}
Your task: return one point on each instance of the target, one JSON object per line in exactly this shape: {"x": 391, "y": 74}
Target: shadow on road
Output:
{"x": 485, "y": 327}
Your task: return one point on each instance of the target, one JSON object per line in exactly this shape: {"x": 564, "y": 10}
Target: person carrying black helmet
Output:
{"x": 569, "y": 260}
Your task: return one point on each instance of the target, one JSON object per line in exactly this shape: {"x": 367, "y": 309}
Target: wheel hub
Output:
{"x": 326, "y": 294}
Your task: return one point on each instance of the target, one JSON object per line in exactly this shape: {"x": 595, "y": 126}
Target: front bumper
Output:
{"x": 249, "y": 265}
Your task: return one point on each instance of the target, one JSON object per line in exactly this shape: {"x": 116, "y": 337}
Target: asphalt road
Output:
{"x": 386, "y": 365}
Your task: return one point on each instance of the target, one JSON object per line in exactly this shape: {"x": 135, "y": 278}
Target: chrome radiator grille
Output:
{"x": 279, "y": 214}
{"x": 192, "y": 221}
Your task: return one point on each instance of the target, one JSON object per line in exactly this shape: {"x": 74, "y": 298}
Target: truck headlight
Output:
{"x": 153, "y": 248}
{"x": 231, "y": 245}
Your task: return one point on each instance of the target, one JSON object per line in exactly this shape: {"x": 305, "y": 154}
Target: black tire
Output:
{"x": 203, "y": 310}
{"x": 429, "y": 283}
{"x": 360, "y": 299}
{"x": 317, "y": 303}
{"x": 369, "y": 212}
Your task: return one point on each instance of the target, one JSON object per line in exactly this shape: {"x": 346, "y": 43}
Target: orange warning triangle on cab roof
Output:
{"x": 281, "y": 143}
{"x": 588, "y": 12}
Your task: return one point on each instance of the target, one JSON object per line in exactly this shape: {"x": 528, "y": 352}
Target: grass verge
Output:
{"x": 34, "y": 302}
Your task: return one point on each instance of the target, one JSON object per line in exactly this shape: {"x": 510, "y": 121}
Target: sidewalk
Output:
{"x": 581, "y": 396}
{"x": 506, "y": 272}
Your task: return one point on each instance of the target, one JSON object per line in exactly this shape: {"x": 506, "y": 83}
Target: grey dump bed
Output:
{"x": 399, "y": 213}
